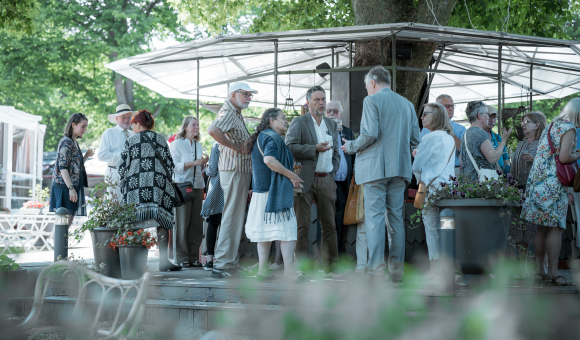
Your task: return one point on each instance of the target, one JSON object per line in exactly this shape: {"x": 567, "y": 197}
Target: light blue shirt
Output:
{"x": 578, "y": 142}
{"x": 458, "y": 131}
{"x": 343, "y": 168}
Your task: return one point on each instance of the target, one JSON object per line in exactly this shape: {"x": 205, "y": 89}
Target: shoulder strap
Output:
{"x": 469, "y": 153}
{"x": 259, "y": 148}
{"x": 194, "y": 158}
{"x": 448, "y": 160}
{"x": 550, "y": 139}
{"x": 158, "y": 156}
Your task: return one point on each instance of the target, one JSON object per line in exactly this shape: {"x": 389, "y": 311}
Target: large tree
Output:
{"x": 59, "y": 69}
{"x": 531, "y": 17}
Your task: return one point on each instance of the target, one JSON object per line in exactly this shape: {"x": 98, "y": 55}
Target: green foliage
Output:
{"x": 42, "y": 195}
{"x": 17, "y": 16}
{"x": 7, "y": 264}
{"x": 109, "y": 211}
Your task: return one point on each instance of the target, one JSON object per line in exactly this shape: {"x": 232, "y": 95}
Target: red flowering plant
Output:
{"x": 132, "y": 238}
{"x": 33, "y": 205}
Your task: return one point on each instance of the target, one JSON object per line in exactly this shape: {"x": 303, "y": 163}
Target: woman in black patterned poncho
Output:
{"x": 146, "y": 182}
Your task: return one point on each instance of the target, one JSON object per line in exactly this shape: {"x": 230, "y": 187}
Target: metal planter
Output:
{"x": 104, "y": 254}
{"x": 482, "y": 229}
{"x": 133, "y": 261}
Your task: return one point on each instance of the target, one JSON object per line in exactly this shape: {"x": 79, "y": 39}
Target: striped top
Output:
{"x": 231, "y": 122}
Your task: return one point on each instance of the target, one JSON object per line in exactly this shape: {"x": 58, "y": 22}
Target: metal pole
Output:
{"x": 276, "y": 73}
{"x": 197, "y": 92}
{"x": 394, "y": 60}
{"x": 426, "y": 94}
{"x": 531, "y": 91}
{"x": 499, "y": 92}
{"x": 382, "y": 59}
{"x": 500, "y": 113}
{"x": 331, "y": 73}
{"x": 350, "y": 55}
{"x": 61, "y": 234}
{"x": 447, "y": 250}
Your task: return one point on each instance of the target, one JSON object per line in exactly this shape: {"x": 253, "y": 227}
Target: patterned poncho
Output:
{"x": 144, "y": 181}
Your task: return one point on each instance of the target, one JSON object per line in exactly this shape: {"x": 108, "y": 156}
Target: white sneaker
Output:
{"x": 275, "y": 266}
{"x": 359, "y": 270}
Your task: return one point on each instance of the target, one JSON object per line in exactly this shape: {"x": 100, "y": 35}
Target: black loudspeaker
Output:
{"x": 349, "y": 89}
{"x": 323, "y": 66}
{"x": 404, "y": 51}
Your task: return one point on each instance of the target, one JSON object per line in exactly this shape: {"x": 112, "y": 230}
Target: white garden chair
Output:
{"x": 85, "y": 278}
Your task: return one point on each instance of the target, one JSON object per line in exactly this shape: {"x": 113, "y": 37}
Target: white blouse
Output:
{"x": 183, "y": 151}
{"x": 432, "y": 159}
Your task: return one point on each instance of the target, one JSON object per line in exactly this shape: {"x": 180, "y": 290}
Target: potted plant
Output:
{"x": 4, "y": 210}
{"x": 482, "y": 217}
{"x": 108, "y": 215}
{"x": 12, "y": 277}
{"x": 40, "y": 205}
{"x": 133, "y": 249}
{"x": 31, "y": 208}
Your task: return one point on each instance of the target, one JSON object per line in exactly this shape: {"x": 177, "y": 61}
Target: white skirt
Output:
{"x": 257, "y": 230}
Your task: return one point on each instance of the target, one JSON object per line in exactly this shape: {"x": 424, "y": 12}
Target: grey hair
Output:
{"x": 339, "y": 104}
{"x": 312, "y": 90}
{"x": 379, "y": 75}
{"x": 473, "y": 108}
{"x": 571, "y": 112}
{"x": 441, "y": 96}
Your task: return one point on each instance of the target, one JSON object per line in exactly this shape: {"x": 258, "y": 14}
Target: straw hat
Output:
{"x": 121, "y": 110}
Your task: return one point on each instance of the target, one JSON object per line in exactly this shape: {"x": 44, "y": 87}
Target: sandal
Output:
{"x": 566, "y": 283}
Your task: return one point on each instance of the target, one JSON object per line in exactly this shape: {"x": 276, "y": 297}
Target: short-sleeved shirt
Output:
{"x": 261, "y": 176}
{"x": 231, "y": 122}
{"x": 475, "y": 137}
{"x": 458, "y": 131}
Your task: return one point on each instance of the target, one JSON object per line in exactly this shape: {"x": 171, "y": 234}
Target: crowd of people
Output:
{"x": 262, "y": 166}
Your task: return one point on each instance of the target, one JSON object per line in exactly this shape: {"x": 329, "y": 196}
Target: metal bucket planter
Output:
{"x": 104, "y": 254}
{"x": 133, "y": 261}
{"x": 480, "y": 232}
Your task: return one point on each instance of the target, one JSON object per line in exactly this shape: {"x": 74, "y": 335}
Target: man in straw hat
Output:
{"x": 113, "y": 141}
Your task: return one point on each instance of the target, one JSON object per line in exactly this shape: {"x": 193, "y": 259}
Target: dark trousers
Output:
{"x": 213, "y": 223}
{"x": 188, "y": 231}
{"x": 341, "y": 196}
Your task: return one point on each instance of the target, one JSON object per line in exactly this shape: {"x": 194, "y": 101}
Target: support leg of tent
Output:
{"x": 350, "y": 55}
{"x": 197, "y": 93}
{"x": 276, "y": 73}
{"x": 499, "y": 92}
{"x": 394, "y": 59}
{"x": 426, "y": 94}
{"x": 330, "y": 74}
{"x": 531, "y": 87}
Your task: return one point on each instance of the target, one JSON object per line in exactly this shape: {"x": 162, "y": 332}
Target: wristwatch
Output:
{"x": 71, "y": 187}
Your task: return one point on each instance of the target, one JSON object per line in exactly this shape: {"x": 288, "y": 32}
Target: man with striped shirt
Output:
{"x": 235, "y": 167}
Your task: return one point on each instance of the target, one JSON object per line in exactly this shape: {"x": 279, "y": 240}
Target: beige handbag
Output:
{"x": 354, "y": 211}
{"x": 423, "y": 189}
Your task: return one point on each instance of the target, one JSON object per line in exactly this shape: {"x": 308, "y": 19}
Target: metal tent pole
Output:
{"x": 394, "y": 59}
{"x": 331, "y": 73}
{"x": 531, "y": 88}
{"x": 276, "y": 73}
{"x": 197, "y": 93}
{"x": 426, "y": 94}
{"x": 350, "y": 55}
{"x": 499, "y": 92}
{"x": 502, "y": 102}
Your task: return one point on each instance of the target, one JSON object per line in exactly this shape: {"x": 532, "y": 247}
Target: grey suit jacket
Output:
{"x": 389, "y": 127}
{"x": 301, "y": 141}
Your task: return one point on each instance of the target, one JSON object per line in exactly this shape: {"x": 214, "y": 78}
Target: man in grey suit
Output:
{"x": 313, "y": 141}
{"x": 389, "y": 128}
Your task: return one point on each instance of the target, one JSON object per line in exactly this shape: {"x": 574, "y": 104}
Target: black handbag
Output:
{"x": 178, "y": 197}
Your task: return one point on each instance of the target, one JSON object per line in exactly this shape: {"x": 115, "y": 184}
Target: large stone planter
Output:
{"x": 480, "y": 232}
{"x": 104, "y": 254}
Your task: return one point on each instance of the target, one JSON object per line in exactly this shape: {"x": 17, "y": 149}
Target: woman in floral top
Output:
{"x": 146, "y": 183}
{"x": 546, "y": 202}
{"x": 69, "y": 178}
{"x": 522, "y": 233}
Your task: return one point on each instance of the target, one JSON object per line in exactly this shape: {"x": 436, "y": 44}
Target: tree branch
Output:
{"x": 157, "y": 111}
{"x": 149, "y": 7}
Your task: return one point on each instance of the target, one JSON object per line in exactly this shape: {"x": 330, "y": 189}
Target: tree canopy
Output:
{"x": 17, "y": 16}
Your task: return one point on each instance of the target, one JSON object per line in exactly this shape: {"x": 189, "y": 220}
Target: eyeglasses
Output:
{"x": 246, "y": 94}
{"x": 449, "y": 106}
{"x": 425, "y": 113}
{"x": 334, "y": 111}
{"x": 526, "y": 121}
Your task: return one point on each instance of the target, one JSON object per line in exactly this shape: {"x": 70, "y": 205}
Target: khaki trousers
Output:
{"x": 235, "y": 186}
{"x": 188, "y": 231}
{"x": 323, "y": 192}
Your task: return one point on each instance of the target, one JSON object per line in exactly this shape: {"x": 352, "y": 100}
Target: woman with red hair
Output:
{"x": 146, "y": 171}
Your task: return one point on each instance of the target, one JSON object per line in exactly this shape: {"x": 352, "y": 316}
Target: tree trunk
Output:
{"x": 368, "y": 53}
{"x": 129, "y": 93}
{"x": 120, "y": 90}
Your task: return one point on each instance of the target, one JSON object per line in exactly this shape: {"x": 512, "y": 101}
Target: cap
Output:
{"x": 240, "y": 86}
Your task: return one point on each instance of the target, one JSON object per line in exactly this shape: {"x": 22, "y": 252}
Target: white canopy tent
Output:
{"x": 467, "y": 68}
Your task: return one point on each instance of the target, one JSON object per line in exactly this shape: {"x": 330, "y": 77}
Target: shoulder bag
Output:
{"x": 566, "y": 172}
{"x": 490, "y": 174}
{"x": 421, "y": 194}
{"x": 178, "y": 198}
{"x": 354, "y": 211}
